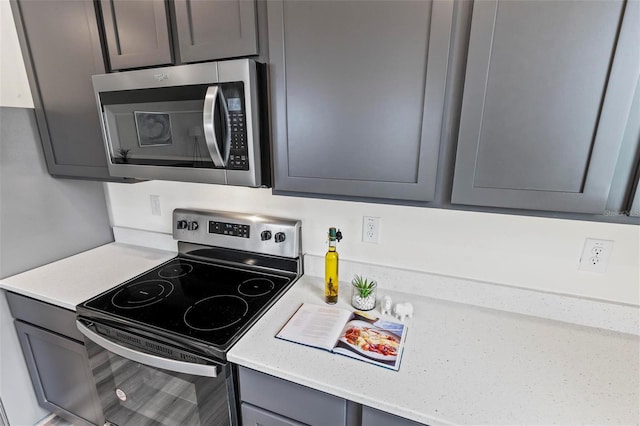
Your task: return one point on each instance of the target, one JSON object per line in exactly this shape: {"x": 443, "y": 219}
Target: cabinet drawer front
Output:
{"x": 291, "y": 400}
{"x": 373, "y": 417}
{"x": 254, "y": 416}
{"x": 54, "y": 318}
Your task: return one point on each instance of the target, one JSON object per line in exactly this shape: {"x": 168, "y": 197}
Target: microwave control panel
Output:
{"x": 238, "y": 153}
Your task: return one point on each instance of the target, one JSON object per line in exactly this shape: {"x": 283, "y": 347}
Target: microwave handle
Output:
{"x": 148, "y": 359}
{"x": 208, "y": 122}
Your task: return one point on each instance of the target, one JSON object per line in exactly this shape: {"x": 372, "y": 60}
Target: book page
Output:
{"x": 314, "y": 325}
{"x": 372, "y": 340}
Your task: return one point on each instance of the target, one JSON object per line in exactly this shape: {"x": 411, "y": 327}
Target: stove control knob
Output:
{"x": 182, "y": 224}
{"x": 280, "y": 237}
{"x": 192, "y": 226}
{"x": 265, "y": 235}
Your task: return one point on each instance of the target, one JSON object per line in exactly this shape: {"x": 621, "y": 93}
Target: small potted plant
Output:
{"x": 363, "y": 296}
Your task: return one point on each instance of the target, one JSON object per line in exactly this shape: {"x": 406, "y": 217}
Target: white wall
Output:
{"x": 14, "y": 87}
{"x": 530, "y": 252}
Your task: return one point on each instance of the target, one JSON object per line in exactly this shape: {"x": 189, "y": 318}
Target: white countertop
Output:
{"x": 70, "y": 281}
{"x": 464, "y": 364}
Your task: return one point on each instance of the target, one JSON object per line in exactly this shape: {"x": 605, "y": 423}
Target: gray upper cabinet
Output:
{"x": 61, "y": 47}
{"x": 216, "y": 29}
{"x": 357, "y": 95}
{"x": 635, "y": 204}
{"x": 141, "y": 34}
{"x": 548, "y": 90}
{"x": 137, "y": 33}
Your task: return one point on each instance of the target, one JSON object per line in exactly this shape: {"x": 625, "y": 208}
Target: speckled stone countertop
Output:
{"x": 72, "y": 280}
{"x": 501, "y": 357}
{"x": 464, "y": 364}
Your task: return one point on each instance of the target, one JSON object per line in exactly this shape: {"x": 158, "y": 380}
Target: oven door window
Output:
{"x": 132, "y": 393}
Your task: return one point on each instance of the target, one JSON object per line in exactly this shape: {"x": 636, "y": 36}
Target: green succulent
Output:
{"x": 365, "y": 287}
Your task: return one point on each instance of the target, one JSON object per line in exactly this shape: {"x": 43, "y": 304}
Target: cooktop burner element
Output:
{"x": 142, "y": 293}
{"x": 175, "y": 270}
{"x": 215, "y": 313}
{"x": 256, "y": 287}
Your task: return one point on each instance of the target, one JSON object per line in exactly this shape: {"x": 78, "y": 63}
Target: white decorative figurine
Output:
{"x": 385, "y": 306}
{"x": 403, "y": 310}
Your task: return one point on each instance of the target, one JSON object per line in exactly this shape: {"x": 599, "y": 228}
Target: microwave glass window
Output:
{"x": 164, "y": 127}
{"x": 234, "y": 104}
{"x": 153, "y": 128}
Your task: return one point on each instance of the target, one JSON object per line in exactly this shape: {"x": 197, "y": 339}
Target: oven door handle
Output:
{"x": 148, "y": 359}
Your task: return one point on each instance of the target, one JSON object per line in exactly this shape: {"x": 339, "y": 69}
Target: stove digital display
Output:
{"x": 231, "y": 229}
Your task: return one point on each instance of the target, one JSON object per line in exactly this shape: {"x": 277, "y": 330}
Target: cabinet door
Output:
{"x": 358, "y": 93}
{"x": 60, "y": 373}
{"x": 215, "y": 29}
{"x": 372, "y": 417}
{"x": 137, "y": 33}
{"x": 61, "y": 47}
{"x": 548, "y": 89}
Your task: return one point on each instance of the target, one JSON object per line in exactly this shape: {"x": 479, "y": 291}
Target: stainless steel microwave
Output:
{"x": 196, "y": 123}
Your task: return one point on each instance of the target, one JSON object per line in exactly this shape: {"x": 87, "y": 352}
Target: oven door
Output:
{"x": 138, "y": 388}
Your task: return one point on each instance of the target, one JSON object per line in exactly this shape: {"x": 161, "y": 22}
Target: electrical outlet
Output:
{"x": 155, "y": 205}
{"x": 595, "y": 255}
{"x": 371, "y": 229}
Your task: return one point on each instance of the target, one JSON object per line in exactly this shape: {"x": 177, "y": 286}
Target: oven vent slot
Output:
{"x": 188, "y": 358}
{"x": 159, "y": 348}
{"x": 128, "y": 338}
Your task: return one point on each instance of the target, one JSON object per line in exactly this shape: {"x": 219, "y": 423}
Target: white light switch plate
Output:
{"x": 595, "y": 255}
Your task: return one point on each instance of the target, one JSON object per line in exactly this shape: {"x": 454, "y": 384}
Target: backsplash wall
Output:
{"x": 530, "y": 252}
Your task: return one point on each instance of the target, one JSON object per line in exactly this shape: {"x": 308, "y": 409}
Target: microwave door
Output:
{"x": 217, "y": 127}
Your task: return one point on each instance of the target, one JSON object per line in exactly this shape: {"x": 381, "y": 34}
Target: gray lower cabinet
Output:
{"x": 547, "y": 94}
{"x": 254, "y": 416}
{"x": 270, "y": 401}
{"x": 56, "y": 360}
{"x": 357, "y": 95}
{"x": 266, "y": 397}
{"x": 373, "y": 417}
{"x": 62, "y": 50}
{"x": 146, "y": 33}
{"x": 136, "y": 33}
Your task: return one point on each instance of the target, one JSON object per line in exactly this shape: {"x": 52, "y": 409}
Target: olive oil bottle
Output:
{"x": 331, "y": 268}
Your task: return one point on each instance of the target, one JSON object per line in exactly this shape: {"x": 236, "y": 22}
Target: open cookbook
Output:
{"x": 354, "y": 334}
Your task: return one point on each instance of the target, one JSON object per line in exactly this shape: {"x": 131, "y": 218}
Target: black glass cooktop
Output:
{"x": 193, "y": 299}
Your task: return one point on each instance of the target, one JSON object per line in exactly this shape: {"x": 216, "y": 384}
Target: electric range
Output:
{"x": 178, "y": 320}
